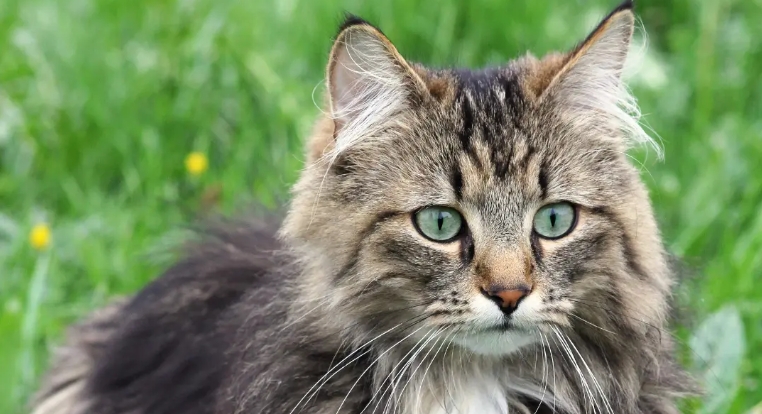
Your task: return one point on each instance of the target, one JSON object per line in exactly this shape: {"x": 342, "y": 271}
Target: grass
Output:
{"x": 101, "y": 101}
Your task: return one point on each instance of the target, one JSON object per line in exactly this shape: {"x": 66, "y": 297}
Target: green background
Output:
{"x": 101, "y": 100}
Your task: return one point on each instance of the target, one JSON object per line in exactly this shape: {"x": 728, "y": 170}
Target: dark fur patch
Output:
{"x": 343, "y": 165}
{"x": 501, "y": 156}
{"x": 542, "y": 179}
{"x": 457, "y": 181}
{"x": 536, "y": 248}
{"x": 467, "y": 115}
{"x": 467, "y": 250}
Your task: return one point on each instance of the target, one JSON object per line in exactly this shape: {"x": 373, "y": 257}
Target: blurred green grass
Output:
{"x": 101, "y": 100}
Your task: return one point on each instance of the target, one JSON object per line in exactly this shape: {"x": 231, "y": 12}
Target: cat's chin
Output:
{"x": 498, "y": 342}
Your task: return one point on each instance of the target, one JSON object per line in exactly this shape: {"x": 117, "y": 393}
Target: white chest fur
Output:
{"x": 487, "y": 399}
{"x": 477, "y": 395}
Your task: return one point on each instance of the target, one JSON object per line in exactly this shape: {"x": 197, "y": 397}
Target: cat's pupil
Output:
{"x": 553, "y": 218}
{"x": 440, "y": 220}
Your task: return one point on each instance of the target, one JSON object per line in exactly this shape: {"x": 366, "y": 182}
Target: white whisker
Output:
{"x": 407, "y": 365}
{"x": 332, "y": 371}
{"x": 392, "y": 372}
{"x": 591, "y": 324}
{"x": 544, "y": 372}
{"x": 371, "y": 366}
{"x": 445, "y": 339}
{"x": 588, "y": 393}
{"x": 595, "y": 380}
{"x": 412, "y": 374}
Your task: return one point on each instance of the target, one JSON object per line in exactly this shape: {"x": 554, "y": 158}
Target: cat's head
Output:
{"x": 487, "y": 205}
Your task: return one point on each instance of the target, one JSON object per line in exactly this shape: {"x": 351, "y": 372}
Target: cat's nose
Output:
{"x": 507, "y": 299}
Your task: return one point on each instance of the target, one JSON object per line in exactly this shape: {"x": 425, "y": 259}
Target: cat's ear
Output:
{"x": 369, "y": 82}
{"x": 596, "y": 64}
{"x": 585, "y": 85}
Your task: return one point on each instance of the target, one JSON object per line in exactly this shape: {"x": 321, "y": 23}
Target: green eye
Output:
{"x": 555, "y": 220}
{"x": 440, "y": 224}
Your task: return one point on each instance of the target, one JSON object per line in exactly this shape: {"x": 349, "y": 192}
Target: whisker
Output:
{"x": 553, "y": 365}
{"x": 446, "y": 339}
{"x": 395, "y": 381}
{"x": 444, "y": 373}
{"x": 544, "y": 371}
{"x": 341, "y": 365}
{"x": 390, "y": 375}
{"x": 585, "y": 386}
{"x": 326, "y": 298}
{"x": 397, "y": 375}
{"x": 320, "y": 304}
{"x": 595, "y": 380}
{"x": 412, "y": 374}
{"x": 371, "y": 366}
{"x": 660, "y": 332}
{"x": 592, "y": 324}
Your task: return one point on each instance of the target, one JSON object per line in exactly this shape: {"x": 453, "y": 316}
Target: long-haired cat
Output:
{"x": 459, "y": 242}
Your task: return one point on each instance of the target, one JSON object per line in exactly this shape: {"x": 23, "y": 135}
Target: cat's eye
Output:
{"x": 437, "y": 223}
{"x": 556, "y": 220}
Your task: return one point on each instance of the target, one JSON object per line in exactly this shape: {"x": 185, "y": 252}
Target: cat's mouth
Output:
{"x": 505, "y": 325}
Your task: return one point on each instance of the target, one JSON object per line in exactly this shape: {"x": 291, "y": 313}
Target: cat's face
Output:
{"x": 487, "y": 207}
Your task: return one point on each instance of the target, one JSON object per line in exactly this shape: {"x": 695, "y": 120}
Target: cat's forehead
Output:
{"x": 487, "y": 90}
{"x": 489, "y": 104}
{"x": 487, "y": 121}
{"x": 489, "y": 83}
{"x": 497, "y": 149}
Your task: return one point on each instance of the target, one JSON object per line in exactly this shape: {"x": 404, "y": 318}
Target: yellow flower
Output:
{"x": 196, "y": 163}
{"x": 39, "y": 237}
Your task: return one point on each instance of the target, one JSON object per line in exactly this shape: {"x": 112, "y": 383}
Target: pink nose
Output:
{"x": 507, "y": 299}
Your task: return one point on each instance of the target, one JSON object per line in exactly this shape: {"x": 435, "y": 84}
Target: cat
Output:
{"x": 459, "y": 241}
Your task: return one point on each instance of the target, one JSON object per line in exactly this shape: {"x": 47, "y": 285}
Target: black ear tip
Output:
{"x": 351, "y": 20}
{"x": 625, "y": 5}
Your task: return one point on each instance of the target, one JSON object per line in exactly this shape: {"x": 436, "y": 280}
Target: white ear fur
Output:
{"x": 368, "y": 83}
{"x": 590, "y": 88}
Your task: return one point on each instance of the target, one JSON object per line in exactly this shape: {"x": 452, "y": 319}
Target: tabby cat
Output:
{"x": 459, "y": 241}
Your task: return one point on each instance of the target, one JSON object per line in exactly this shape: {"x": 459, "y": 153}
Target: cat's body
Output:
{"x": 470, "y": 242}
